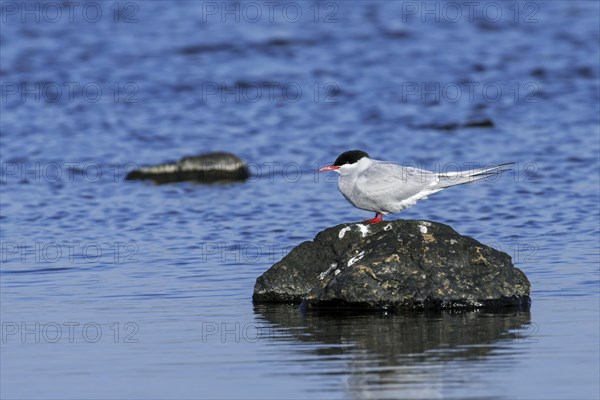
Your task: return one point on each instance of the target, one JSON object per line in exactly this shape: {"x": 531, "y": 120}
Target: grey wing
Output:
{"x": 385, "y": 185}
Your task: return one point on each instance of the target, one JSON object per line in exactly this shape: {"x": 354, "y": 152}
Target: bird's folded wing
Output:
{"x": 393, "y": 181}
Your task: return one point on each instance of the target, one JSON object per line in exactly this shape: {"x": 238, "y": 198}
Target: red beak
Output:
{"x": 329, "y": 168}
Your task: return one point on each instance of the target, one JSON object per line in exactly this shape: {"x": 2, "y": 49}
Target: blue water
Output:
{"x": 114, "y": 289}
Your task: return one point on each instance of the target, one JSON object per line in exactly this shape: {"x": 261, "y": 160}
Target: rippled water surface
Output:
{"x": 114, "y": 289}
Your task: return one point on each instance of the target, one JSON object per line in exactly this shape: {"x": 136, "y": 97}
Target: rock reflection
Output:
{"x": 400, "y": 354}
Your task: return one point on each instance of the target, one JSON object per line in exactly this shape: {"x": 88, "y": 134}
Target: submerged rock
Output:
{"x": 206, "y": 168}
{"x": 394, "y": 265}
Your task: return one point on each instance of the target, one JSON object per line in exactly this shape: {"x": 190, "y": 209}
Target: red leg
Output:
{"x": 378, "y": 218}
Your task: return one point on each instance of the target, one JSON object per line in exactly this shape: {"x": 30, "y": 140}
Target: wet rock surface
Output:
{"x": 396, "y": 265}
{"x": 206, "y": 168}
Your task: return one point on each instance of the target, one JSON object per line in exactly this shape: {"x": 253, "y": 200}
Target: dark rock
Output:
{"x": 396, "y": 265}
{"x": 483, "y": 123}
{"x": 585, "y": 72}
{"x": 539, "y": 72}
{"x": 448, "y": 126}
{"x": 479, "y": 67}
{"x": 206, "y": 168}
{"x": 206, "y": 48}
{"x": 396, "y": 34}
{"x": 452, "y": 126}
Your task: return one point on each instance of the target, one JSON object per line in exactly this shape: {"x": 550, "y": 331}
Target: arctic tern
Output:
{"x": 388, "y": 188}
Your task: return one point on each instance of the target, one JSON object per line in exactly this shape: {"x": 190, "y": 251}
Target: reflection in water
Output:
{"x": 415, "y": 355}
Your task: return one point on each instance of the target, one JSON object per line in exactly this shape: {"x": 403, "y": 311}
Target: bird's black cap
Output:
{"x": 349, "y": 157}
